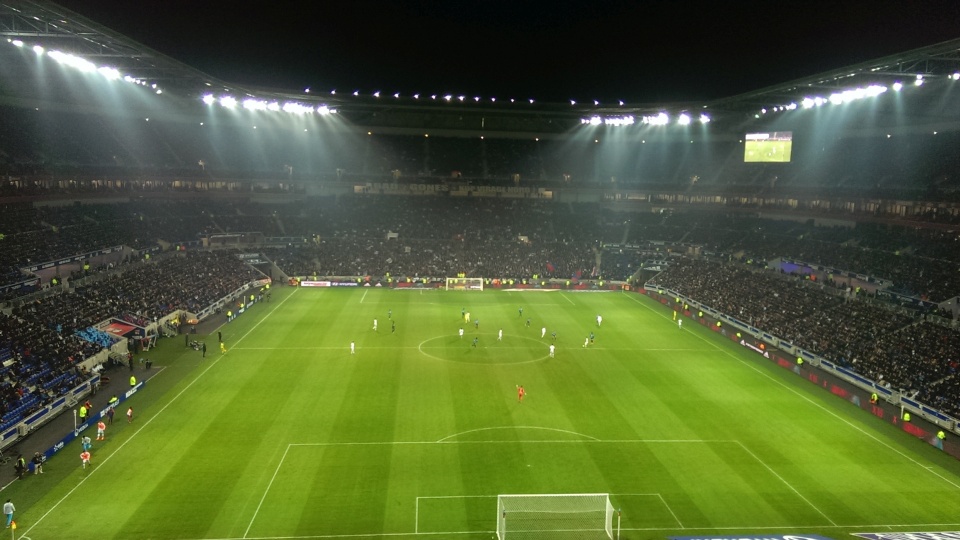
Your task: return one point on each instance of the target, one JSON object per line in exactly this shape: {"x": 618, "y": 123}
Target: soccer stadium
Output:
{"x": 238, "y": 312}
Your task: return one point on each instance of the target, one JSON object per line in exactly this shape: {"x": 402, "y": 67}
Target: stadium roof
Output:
{"x": 59, "y": 28}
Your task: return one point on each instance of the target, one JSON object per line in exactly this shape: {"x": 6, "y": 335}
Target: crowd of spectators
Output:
{"x": 903, "y": 352}
{"x": 437, "y": 236}
{"x": 375, "y": 236}
{"x": 46, "y": 339}
{"x": 489, "y": 236}
{"x": 919, "y": 262}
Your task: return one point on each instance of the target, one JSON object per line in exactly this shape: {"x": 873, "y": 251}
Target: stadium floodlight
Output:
{"x": 297, "y": 108}
{"x": 621, "y": 103}
{"x": 209, "y": 99}
{"x": 461, "y": 98}
{"x": 593, "y": 121}
{"x": 617, "y": 121}
{"x": 683, "y": 119}
{"x": 111, "y": 74}
{"x": 956, "y": 76}
{"x": 38, "y": 49}
{"x": 376, "y": 94}
{"x": 704, "y": 119}
{"x": 416, "y": 96}
{"x": 396, "y": 95}
{"x": 323, "y": 110}
{"x": 228, "y": 102}
{"x": 76, "y": 62}
{"x": 16, "y": 43}
{"x": 273, "y": 106}
{"x": 659, "y": 120}
{"x": 476, "y": 98}
{"x": 572, "y": 102}
{"x": 254, "y": 104}
{"x": 447, "y": 97}
{"x": 918, "y": 81}
{"x": 356, "y": 92}
{"x": 531, "y": 101}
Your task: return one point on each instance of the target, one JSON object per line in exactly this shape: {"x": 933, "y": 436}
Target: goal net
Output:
{"x": 464, "y": 284}
{"x": 555, "y": 516}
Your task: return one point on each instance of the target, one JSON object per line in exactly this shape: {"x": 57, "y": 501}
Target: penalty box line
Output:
{"x": 286, "y": 451}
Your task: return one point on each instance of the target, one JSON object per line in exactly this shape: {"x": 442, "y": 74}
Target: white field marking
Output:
{"x": 592, "y": 441}
{"x": 416, "y": 514}
{"x": 531, "y": 290}
{"x": 866, "y": 526}
{"x": 457, "y": 496}
{"x": 782, "y": 479}
{"x": 421, "y": 348}
{"x": 565, "y": 297}
{"x": 364, "y": 295}
{"x": 362, "y": 535}
{"x": 517, "y": 427}
{"x": 265, "y": 491}
{"x": 667, "y": 506}
{"x": 809, "y": 400}
{"x": 421, "y": 289}
{"x": 151, "y": 419}
{"x": 659, "y": 496}
{"x": 664, "y": 501}
{"x": 871, "y": 526}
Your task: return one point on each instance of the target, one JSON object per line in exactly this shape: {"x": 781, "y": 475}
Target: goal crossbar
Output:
{"x": 554, "y": 516}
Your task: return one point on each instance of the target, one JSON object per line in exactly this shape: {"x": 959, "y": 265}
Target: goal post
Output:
{"x": 555, "y": 516}
{"x": 464, "y": 284}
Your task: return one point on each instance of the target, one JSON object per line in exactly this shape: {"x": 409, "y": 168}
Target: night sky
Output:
{"x": 640, "y": 52}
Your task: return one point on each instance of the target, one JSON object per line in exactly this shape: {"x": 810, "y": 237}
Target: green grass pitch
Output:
{"x": 288, "y": 435}
{"x": 773, "y": 151}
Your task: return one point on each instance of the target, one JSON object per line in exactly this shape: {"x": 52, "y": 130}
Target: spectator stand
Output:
{"x": 729, "y": 325}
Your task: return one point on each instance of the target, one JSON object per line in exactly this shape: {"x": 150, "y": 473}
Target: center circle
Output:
{"x": 489, "y": 350}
